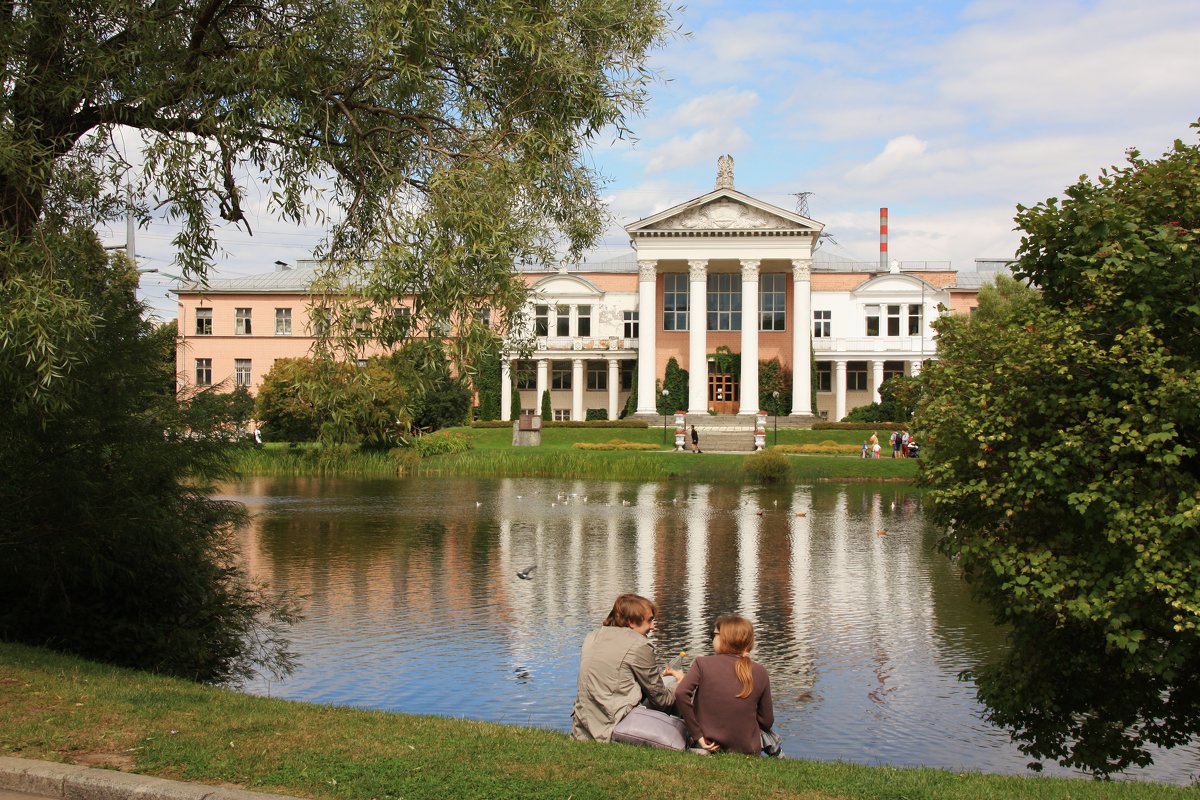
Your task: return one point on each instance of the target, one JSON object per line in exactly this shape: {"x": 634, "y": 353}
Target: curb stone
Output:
{"x": 71, "y": 782}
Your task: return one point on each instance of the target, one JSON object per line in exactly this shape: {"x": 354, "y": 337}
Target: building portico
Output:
{"x": 730, "y": 246}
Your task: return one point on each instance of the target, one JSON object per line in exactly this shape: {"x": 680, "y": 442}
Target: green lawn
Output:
{"x": 492, "y": 455}
{"x": 64, "y": 709}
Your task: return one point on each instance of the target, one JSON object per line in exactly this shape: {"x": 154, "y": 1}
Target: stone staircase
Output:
{"x": 730, "y": 433}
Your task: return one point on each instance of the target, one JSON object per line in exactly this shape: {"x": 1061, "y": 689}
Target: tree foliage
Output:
{"x": 112, "y": 546}
{"x": 1061, "y": 432}
{"x": 774, "y": 377}
{"x": 675, "y": 382}
{"x": 442, "y": 141}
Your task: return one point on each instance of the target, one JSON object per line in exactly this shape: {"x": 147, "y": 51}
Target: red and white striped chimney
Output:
{"x": 883, "y": 250}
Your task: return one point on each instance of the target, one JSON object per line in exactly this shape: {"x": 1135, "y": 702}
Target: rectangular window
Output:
{"x": 525, "y": 373}
{"x": 484, "y": 315}
{"x": 583, "y": 318}
{"x": 892, "y": 369}
{"x": 872, "y": 320}
{"x": 562, "y": 321}
{"x": 725, "y": 302}
{"x": 856, "y": 376}
{"x": 241, "y": 372}
{"x": 822, "y": 322}
{"x": 204, "y": 372}
{"x": 362, "y": 322}
{"x": 627, "y": 369}
{"x": 562, "y": 415}
{"x": 241, "y": 322}
{"x": 204, "y": 322}
{"x": 631, "y": 325}
{"x": 319, "y": 321}
{"x": 914, "y": 319}
{"x": 439, "y": 327}
{"x": 560, "y": 374}
{"x": 541, "y": 320}
{"x": 893, "y": 320}
{"x": 772, "y": 299}
{"x": 283, "y": 322}
{"x": 597, "y": 376}
{"x": 824, "y": 376}
{"x": 675, "y": 301}
{"x": 361, "y": 363}
{"x": 401, "y": 321}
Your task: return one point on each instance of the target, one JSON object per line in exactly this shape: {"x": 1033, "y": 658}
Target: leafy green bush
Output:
{"x": 595, "y": 414}
{"x": 442, "y": 443}
{"x": 767, "y": 466}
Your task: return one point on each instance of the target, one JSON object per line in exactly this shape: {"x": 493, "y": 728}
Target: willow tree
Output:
{"x": 439, "y": 141}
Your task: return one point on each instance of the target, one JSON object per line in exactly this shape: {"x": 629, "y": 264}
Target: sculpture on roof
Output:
{"x": 725, "y": 172}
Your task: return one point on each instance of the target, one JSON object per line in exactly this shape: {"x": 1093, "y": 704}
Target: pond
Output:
{"x": 413, "y": 603}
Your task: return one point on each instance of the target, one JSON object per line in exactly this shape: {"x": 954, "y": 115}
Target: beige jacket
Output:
{"x": 616, "y": 670}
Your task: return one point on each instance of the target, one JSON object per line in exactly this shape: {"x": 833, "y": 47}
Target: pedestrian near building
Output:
{"x": 696, "y": 441}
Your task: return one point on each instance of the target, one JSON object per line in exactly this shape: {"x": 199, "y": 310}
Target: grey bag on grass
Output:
{"x": 651, "y": 728}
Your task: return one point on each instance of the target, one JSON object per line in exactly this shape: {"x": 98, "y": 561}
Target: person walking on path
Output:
{"x": 696, "y": 441}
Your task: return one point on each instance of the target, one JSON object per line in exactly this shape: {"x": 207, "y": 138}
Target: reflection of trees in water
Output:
{"x": 803, "y": 563}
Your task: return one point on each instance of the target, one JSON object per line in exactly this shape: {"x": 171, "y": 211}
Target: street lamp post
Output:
{"x": 665, "y": 395}
{"x": 775, "y": 412}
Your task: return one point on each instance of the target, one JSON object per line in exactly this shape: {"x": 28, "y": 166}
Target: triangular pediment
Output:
{"x": 562, "y": 285}
{"x": 724, "y": 210}
{"x": 894, "y": 283}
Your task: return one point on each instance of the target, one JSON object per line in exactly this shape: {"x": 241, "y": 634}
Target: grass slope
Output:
{"x": 60, "y": 708}
{"x": 492, "y": 455}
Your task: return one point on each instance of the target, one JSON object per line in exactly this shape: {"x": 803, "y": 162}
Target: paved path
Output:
{"x": 29, "y": 779}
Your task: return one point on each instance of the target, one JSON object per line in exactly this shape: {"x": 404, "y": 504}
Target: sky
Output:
{"x": 949, "y": 114}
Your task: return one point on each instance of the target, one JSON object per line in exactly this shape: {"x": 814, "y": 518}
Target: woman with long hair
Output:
{"x": 617, "y": 670}
{"x": 725, "y": 699}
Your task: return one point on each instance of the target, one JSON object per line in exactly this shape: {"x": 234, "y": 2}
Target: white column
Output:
{"x": 914, "y": 368}
{"x": 697, "y": 336}
{"x": 543, "y": 381}
{"x": 647, "y": 368}
{"x": 749, "y": 379}
{"x": 801, "y": 338}
{"x": 839, "y": 391}
{"x": 876, "y": 379}
{"x": 577, "y": 388}
{"x": 614, "y": 388}
{"x": 505, "y": 389}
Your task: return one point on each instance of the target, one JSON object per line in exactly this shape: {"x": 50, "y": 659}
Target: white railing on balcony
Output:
{"x": 875, "y": 344}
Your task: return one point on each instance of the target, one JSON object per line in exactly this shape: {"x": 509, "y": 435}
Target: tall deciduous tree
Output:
{"x": 441, "y": 140}
{"x": 1061, "y": 428}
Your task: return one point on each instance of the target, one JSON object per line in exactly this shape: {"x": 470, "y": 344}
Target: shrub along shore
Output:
{"x": 60, "y": 708}
{"x": 567, "y": 452}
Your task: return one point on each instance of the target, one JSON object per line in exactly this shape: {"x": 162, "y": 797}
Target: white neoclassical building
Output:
{"x": 723, "y": 274}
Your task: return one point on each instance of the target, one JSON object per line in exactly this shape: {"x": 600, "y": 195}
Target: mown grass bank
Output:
{"x": 63, "y": 709}
{"x": 492, "y": 455}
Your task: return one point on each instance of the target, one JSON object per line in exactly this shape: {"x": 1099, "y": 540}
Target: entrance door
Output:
{"x": 722, "y": 392}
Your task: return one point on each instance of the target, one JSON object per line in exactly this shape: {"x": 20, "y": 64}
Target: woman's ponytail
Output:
{"x": 737, "y": 639}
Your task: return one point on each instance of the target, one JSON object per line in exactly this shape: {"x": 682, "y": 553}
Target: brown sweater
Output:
{"x": 706, "y": 699}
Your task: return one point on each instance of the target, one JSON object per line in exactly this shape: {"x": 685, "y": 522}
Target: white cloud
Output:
{"x": 897, "y": 154}
{"x": 701, "y": 147}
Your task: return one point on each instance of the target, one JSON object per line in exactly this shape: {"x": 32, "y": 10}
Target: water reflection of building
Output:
{"x": 808, "y": 567}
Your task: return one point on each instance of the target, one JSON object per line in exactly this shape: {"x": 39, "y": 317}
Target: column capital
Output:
{"x": 577, "y": 362}
{"x": 697, "y": 268}
{"x": 647, "y": 270}
{"x": 750, "y": 268}
{"x": 802, "y": 269}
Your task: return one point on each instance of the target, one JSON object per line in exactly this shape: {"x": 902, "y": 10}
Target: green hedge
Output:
{"x": 859, "y": 426}
{"x": 591, "y": 423}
